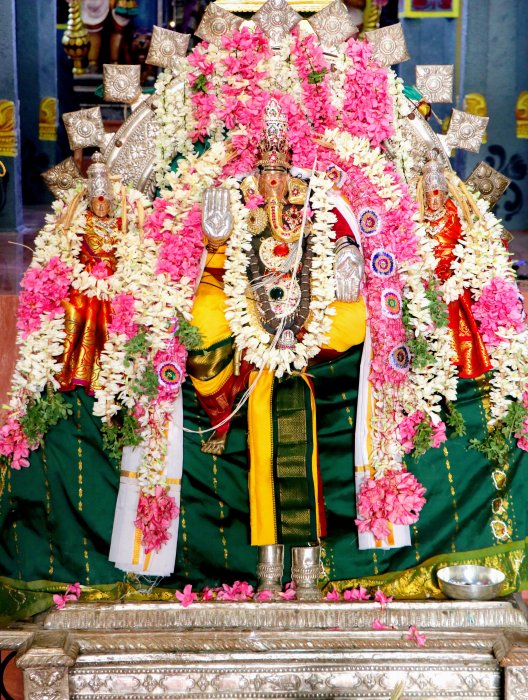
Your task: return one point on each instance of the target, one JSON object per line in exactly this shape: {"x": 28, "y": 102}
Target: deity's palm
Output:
{"x": 217, "y": 220}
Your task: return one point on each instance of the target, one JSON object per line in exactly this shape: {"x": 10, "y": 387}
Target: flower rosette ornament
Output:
{"x": 396, "y": 497}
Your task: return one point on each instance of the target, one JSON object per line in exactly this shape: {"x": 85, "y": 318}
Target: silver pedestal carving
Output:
{"x": 306, "y": 571}
{"x": 294, "y": 649}
{"x": 270, "y": 567}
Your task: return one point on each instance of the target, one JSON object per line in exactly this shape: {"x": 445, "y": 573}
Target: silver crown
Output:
{"x": 98, "y": 178}
{"x": 434, "y": 175}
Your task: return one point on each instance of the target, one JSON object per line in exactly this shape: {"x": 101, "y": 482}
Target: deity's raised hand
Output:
{"x": 349, "y": 268}
{"x": 217, "y": 220}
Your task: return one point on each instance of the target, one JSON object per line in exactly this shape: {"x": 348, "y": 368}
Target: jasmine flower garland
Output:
{"x": 250, "y": 337}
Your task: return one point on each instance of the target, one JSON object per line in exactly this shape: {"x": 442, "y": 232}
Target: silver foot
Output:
{"x": 306, "y": 570}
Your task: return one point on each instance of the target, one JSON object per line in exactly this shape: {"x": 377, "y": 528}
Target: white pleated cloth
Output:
{"x": 125, "y": 548}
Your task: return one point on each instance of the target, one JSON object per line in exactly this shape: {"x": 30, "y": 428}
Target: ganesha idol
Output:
{"x": 279, "y": 290}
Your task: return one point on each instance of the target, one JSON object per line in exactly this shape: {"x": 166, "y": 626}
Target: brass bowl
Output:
{"x": 470, "y": 582}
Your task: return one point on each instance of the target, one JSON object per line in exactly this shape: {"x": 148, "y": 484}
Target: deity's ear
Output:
{"x": 297, "y": 189}
{"x": 249, "y": 187}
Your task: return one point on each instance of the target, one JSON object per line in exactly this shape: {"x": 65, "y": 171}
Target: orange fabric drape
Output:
{"x": 87, "y": 318}
{"x": 473, "y": 359}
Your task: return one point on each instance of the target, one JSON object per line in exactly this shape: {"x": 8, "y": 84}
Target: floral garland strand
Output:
{"x": 250, "y": 336}
{"x": 401, "y": 147}
{"x": 486, "y": 270}
{"x": 314, "y": 70}
{"x": 367, "y": 109}
{"x": 174, "y": 118}
{"x": 499, "y": 310}
{"x": 372, "y": 180}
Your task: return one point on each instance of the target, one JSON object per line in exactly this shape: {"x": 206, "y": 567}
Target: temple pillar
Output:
{"x": 37, "y": 69}
{"x": 10, "y": 185}
{"x": 45, "y": 660}
{"x": 511, "y": 650}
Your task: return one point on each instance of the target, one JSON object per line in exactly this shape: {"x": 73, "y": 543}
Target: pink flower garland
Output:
{"x": 388, "y": 237}
{"x": 180, "y": 252}
{"x": 14, "y": 444}
{"x": 367, "y": 110}
{"x": 123, "y": 310}
{"x": 313, "y": 70}
{"x": 244, "y": 104}
{"x": 154, "y": 516}
{"x": 396, "y": 497}
{"x": 499, "y": 306}
{"x": 409, "y": 425}
{"x": 179, "y": 257}
{"x": 43, "y": 290}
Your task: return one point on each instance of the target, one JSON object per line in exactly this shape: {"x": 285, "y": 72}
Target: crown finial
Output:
{"x": 434, "y": 175}
{"x": 274, "y": 146}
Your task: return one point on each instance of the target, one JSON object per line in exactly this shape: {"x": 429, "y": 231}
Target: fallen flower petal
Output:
{"x": 187, "y": 597}
{"x": 60, "y": 601}
{"x": 356, "y": 594}
{"x": 333, "y": 595}
{"x": 207, "y": 593}
{"x": 382, "y": 599}
{"x": 378, "y": 625}
{"x": 74, "y": 589}
{"x": 415, "y": 636}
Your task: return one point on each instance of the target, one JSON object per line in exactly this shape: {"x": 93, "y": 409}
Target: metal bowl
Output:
{"x": 469, "y": 582}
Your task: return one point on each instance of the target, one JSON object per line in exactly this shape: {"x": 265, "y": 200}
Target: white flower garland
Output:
{"x": 174, "y": 118}
{"x": 401, "y": 148}
{"x": 427, "y": 387}
{"x": 249, "y": 334}
{"x": 156, "y": 301}
{"x": 475, "y": 265}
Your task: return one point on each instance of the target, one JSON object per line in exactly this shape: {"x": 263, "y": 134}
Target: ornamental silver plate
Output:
{"x": 291, "y": 291}
{"x": 277, "y": 263}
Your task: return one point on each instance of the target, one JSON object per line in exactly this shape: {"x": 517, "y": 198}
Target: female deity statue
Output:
{"x": 443, "y": 223}
{"x": 87, "y": 317}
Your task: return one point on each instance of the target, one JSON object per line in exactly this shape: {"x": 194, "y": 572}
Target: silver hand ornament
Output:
{"x": 217, "y": 220}
{"x": 349, "y": 267}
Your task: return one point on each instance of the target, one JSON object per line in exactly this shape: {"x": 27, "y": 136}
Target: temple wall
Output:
{"x": 10, "y": 185}
{"x": 488, "y": 46}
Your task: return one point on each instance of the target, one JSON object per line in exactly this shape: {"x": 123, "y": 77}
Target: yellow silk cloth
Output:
{"x": 87, "y": 318}
{"x": 348, "y": 329}
{"x": 209, "y": 317}
{"x": 473, "y": 359}
{"x": 261, "y": 479}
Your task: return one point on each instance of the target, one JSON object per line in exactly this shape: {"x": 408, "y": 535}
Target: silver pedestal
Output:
{"x": 133, "y": 651}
